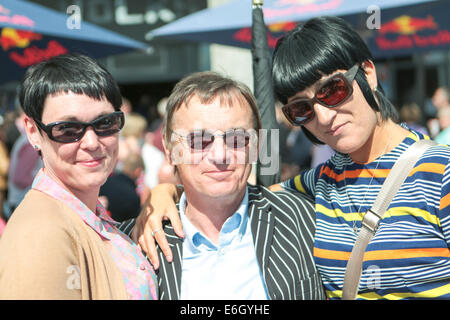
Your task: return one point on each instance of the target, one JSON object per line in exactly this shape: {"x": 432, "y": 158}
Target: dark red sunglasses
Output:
{"x": 332, "y": 93}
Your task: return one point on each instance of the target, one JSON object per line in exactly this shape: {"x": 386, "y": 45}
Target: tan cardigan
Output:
{"x": 48, "y": 252}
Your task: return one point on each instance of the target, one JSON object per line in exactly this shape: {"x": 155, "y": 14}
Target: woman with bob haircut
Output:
{"x": 60, "y": 242}
{"x": 324, "y": 75}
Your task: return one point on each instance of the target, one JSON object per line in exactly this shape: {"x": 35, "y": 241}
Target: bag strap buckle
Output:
{"x": 371, "y": 221}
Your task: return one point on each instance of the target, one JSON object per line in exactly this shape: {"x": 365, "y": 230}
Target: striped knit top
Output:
{"x": 409, "y": 256}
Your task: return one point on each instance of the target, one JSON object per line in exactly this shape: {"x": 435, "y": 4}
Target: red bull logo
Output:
{"x": 408, "y": 25}
{"x": 34, "y": 54}
{"x": 12, "y": 38}
{"x": 404, "y": 33}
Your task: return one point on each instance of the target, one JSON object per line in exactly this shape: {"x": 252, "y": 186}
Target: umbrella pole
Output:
{"x": 268, "y": 165}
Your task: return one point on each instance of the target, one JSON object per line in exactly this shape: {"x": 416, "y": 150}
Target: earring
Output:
{"x": 36, "y": 147}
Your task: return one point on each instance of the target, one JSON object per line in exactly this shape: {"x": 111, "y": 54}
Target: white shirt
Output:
{"x": 227, "y": 271}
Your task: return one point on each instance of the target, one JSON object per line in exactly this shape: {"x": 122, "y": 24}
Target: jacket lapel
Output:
{"x": 169, "y": 274}
{"x": 262, "y": 225}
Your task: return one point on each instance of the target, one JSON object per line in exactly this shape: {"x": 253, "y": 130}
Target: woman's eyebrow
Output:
{"x": 74, "y": 118}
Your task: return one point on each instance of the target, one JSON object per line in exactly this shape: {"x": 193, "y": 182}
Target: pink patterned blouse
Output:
{"x": 139, "y": 276}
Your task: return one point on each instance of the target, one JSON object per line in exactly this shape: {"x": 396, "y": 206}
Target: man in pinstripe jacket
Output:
{"x": 282, "y": 225}
{"x": 242, "y": 241}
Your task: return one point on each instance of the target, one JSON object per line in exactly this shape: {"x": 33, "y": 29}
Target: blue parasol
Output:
{"x": 30, "y": 33}
{"x": 406, "y": 26}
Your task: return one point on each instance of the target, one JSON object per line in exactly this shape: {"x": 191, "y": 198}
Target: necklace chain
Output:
{"x": 355, "y": 227}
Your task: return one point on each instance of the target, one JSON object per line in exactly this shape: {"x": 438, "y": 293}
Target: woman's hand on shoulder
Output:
{"x": 159, "y": 206}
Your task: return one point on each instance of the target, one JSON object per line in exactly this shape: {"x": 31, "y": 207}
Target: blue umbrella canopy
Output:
{"x": 30, "y": 33}
{"x": 230, "y": 24}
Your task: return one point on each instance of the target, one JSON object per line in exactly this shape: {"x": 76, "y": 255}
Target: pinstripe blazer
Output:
{"x": 283, "y": 227}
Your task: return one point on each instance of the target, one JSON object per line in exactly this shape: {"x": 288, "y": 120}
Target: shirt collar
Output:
{"x": 235, "y": 225}
{"x": 42, "y": 182}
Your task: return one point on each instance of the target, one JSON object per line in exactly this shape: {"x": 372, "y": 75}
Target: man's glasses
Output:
{"x": 72, "y": 131}
{"x": 201, "y": 140}
{"x": 332, "y": 93}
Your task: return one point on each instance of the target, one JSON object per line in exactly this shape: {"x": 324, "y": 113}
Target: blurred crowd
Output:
{"x": 142, "y": 164}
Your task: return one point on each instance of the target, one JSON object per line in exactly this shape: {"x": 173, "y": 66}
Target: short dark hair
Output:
{"x": 320, "y": 47}
{"x": 70, "y": 72}
{"x": 207, "y": 85}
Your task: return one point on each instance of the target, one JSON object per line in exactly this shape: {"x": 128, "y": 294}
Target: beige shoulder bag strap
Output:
{"x": 372, "y": 218}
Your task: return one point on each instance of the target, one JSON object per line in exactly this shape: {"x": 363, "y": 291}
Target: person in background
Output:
{"x": 166, "y": 172}
{"x": 13, "y": 126}
{"x": 4, "y": 169}
{"x": 126, "y": 107}
{"x": 439, "y": 100}
{"x": 411, "y": 115}
{"x": 444, "y": 124}
{"x": 24, "y": 164}
{"x": 131, "y": 137}
{"x": 120, "y": 189}
{"x": 132, "y": 141}
{"x": 59, "y": 242}
{"x": 153, "y": 159}
{"x": 156, "y": 125}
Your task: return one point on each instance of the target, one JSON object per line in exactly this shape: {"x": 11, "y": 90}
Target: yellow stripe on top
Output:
{"x": 410, "y": 211}
{"x": 431, "y": 293}
{"x": 298, "y": 184}
{"x": 352, "y": 216}
{"x": 392, "y": 212}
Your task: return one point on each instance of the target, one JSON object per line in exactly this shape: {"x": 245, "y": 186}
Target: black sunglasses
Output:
{"x": 200, "y": 140}
{"x": 332, "y": 93}
{"x": 72, "y": 131}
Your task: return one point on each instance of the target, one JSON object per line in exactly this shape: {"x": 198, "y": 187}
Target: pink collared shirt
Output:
{"x": 2, "y": 225}
{"x": 139, "y": 276}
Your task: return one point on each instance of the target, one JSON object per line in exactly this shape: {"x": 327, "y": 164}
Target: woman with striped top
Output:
{"x": 324, "y": 74}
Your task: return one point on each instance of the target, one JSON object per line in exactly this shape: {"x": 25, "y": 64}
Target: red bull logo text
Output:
{"x": 18, "y": 42}
{"x": 20, "y": 39}
{"x": 33, "y": 54}
{"x": 408, "y": 25}
{"x": 406, "y": 32}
